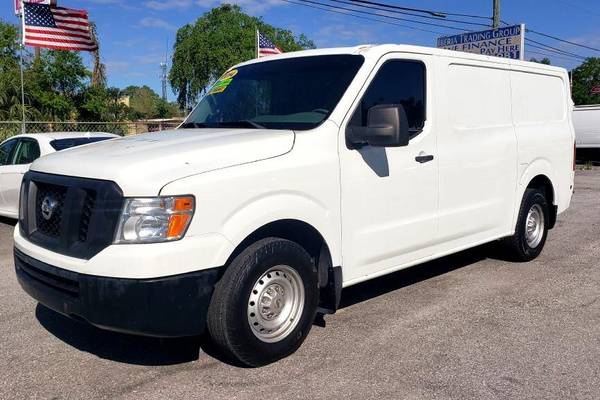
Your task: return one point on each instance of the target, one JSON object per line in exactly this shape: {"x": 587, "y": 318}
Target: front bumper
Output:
{"x": 139, "y": 261}
{"x": 163, "y": 307}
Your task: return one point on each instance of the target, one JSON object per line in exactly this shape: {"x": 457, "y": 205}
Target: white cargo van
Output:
{"x": 296, "y": 176}
{"x": 586, "y": 120}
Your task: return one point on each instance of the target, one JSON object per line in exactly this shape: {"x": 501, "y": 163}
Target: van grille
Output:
{"x": 81, "y": 220}
{"x": 86, "y": 215}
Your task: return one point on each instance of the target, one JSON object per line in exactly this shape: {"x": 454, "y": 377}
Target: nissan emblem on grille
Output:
{"x": 48, "y": 206}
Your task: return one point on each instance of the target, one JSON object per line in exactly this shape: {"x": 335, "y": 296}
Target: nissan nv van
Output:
{"x": 296, "y": 176}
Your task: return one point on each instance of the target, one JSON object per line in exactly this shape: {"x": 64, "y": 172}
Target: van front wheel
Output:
{"x": 532, "y": 227}
{"x": 264, "y": 305}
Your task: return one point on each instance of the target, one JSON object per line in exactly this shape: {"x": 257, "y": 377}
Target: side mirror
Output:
{"x": 387, "y": 126}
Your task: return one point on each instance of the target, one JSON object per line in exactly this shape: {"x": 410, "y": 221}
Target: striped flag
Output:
{"x": 18, "y": 4}
{"x": 595, "y": 90}
{"x": 265, "y": 46}
{"x": 56, "y": 28}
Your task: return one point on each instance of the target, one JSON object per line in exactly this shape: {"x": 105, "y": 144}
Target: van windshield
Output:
{"x": 295, "y": 93}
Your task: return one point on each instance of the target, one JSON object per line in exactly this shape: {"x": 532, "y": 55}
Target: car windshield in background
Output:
{"x": 294, "y": 93}
{"x": 63, "y": 144}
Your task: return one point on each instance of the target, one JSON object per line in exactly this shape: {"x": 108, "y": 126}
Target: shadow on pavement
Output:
{"x": 142, "y": 350}
{"x": 388, "y": 283}
{"x": 588, "y": 156}
{"x": 115, "y": 346}
{"x": 8, "y": 221}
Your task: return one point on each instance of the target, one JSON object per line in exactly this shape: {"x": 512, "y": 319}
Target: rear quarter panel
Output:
{"x": 543, "y": 123}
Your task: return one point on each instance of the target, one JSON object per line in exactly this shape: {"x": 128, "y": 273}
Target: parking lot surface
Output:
{"x": 470, "y": 325}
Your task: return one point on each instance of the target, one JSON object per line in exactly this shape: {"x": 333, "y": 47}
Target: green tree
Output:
{"x": 10, "y": 79}
{"x": 58, "y": 87}
{"x": 98, "y": 103}
{"x": 142, "y": 101}
{"x": 65, "y": 71}
{"x": 9, "y": 42}
{"x": 145, "y": 103}
{"x": 585, "y": 78}
{"x": 219, "y": 39}
{"x": 545, "y": 60}
{"x": 55, "y": 82}
{"x": 165, "y": 109}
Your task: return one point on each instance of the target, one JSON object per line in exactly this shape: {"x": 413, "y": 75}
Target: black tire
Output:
{"x": 228, "y": 319}
{"x": 517, "y": 244}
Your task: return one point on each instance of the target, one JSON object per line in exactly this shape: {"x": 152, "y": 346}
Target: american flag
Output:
{"x": 266, "y": 47}
{"x": 56, "y": 28}
{"x": 595, "y": 90}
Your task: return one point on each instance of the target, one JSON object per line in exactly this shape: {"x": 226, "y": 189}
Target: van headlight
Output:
{"x": 154, "y": 219}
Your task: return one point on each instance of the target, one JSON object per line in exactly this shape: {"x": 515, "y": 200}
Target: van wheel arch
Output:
{"x": 544, "y": 185}
{"x": 307, "y": 236}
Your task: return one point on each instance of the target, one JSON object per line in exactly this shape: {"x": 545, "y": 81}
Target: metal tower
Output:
{"x": 163, "y": 79}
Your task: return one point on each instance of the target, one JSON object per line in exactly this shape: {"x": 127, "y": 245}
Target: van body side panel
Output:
{"x": 477, "y": 152}
{"x": 542, "y": 120}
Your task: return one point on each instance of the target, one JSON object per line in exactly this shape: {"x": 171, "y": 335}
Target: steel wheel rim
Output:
{"x": 276, "y": 303}
{"x": 534, "y": 226}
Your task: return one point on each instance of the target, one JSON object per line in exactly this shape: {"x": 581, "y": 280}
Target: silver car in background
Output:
{"x": 18, "y": 152}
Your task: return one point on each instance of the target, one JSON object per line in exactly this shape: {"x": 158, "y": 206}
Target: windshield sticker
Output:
{"x": 223, "y": 82}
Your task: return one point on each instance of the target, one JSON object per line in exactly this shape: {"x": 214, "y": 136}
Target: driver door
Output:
{"x": 390, "y": 194}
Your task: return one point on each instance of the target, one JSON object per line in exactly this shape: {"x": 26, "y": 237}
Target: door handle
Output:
{"x": 423, "y": 158}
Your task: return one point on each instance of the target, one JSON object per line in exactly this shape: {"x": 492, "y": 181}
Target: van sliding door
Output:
{"x": 477, "y": 152}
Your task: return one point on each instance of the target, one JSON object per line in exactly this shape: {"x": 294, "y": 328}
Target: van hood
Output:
{"x": 141, "y": 165}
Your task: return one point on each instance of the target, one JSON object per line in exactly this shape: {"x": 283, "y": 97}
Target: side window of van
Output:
{"x": 397, "y": 82}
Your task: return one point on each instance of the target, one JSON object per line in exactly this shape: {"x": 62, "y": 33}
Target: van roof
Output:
{"x": 376, "y": 51}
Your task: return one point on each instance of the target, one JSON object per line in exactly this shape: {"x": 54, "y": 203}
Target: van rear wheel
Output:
{"x": 264, "y": 305}
{"x": 532, "y": 227}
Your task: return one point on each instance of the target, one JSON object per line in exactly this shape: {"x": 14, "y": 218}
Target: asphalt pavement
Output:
{"x": 468, "y": 326}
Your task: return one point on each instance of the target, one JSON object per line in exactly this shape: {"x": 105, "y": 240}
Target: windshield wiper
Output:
{"x": 189, "y": 125}
{"x": 245, "y": 123}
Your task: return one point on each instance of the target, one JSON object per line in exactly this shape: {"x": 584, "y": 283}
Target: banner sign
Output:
{"x": 18, "y": 4}
{"x": 506, "y": 42}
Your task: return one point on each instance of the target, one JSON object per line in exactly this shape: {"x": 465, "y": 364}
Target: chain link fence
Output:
{"x": 11, "y": 128}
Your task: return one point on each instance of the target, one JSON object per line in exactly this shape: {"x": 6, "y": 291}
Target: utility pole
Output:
{"x": 496, "y": 23}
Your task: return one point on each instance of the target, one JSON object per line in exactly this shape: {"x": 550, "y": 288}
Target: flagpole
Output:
{"x": 23, "y": 129}
{"x": 257, "y": 44}
{"x": 21, "y": 46}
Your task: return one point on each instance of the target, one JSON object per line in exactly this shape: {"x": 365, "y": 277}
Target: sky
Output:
{"x": 137, "y": 34}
